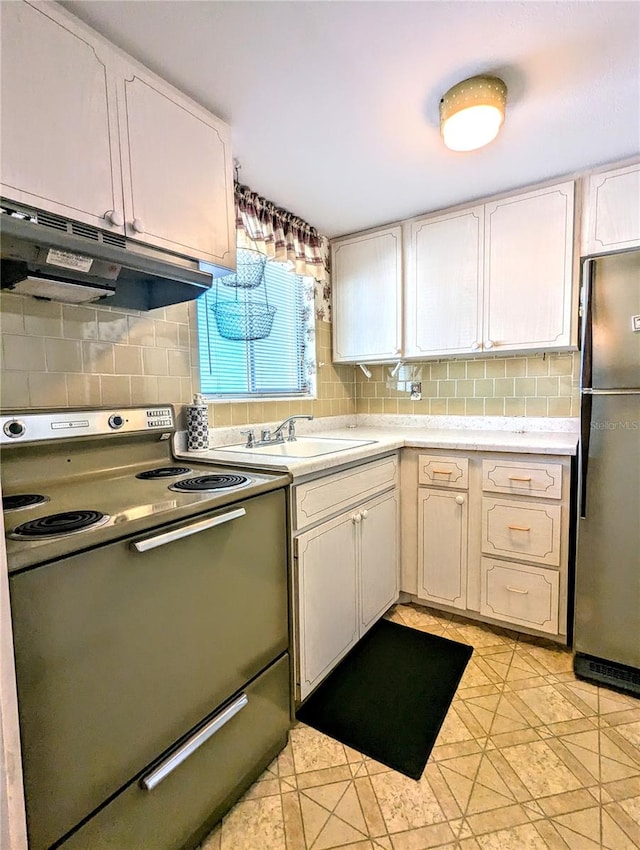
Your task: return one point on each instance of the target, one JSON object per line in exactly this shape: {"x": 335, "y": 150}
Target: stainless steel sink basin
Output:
{"x": 300, "y": 447}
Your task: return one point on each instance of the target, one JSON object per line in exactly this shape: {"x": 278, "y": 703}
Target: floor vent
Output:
{"x": 608, "y": 673}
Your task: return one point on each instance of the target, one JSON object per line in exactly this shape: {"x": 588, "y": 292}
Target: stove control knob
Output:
{"x": 116, "y": 421}
{"x": 14, "y": 428}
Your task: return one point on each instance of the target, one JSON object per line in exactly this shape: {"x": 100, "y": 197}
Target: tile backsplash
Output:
{"x": 61, "y": 355}
{"x": 534, "y": 385}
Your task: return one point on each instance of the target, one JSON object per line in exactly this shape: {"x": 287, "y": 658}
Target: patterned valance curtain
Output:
{"x": 282, "y": 236}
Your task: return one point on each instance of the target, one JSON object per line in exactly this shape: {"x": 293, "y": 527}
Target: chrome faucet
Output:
{"x": 291, "y": 422}
{"x": 268, "y": 437}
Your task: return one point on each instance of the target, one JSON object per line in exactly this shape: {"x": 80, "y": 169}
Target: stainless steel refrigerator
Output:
{"x": 607, "y": 583}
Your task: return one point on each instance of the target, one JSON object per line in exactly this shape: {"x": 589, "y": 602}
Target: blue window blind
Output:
{"x": 273, "y": 366}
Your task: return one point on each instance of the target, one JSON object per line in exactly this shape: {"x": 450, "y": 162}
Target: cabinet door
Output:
{"x": 178, "y": 186}
{"x": 443, "y": 303}
{"x": 612, "y": 211}
{"x": 367, "y": 281}
{"x": 378, "y": 557}
{"x": 59, "y": 145}
{"x": 442, "y": 546}
{"x": 327, "y": 598}
{"x": 528, "y": 270}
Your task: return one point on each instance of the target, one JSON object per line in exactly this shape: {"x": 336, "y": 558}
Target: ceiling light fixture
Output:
{"x": 472, "y": 112}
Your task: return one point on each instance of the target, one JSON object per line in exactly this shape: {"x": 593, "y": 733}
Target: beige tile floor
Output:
{"x": 528, "y": 758}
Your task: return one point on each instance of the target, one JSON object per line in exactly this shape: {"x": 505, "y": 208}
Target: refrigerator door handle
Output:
{"x": 586, "y": 405}
{"x": 586, "y": 377}
{"x": 586, "y": 361}
{"x": 591, "y": 391}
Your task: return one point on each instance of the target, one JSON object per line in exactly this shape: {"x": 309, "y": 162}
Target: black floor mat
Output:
{"x": 389, "y": 696}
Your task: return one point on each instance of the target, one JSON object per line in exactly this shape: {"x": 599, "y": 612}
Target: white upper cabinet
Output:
{"x": 612, "y": 211}
{"x": 176, "y": 171}
{"x": 59, "y": 137}
{"x": 493, "y": 278}
{"x": 528, "y": 271}
{"x": 443, "y": 298}
{"x": 89, "y": 134}
{"x": 367, "y": 292}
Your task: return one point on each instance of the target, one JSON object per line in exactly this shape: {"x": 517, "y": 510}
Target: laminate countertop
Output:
{"x": 381, "y": 439}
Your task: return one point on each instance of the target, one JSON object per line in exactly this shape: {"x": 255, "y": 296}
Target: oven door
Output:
{"x": 123, "y": 649}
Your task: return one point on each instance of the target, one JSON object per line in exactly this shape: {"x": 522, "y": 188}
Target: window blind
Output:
{"x": 267, "y": 367}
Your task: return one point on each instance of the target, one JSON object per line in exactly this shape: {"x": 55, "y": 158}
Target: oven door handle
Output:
{"x": 155, "y": 777}
{"x": 187, "y": 530}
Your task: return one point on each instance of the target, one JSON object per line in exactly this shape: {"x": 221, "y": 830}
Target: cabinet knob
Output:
{"x": 460, "y": 500}
{"x": 365, "y": 514}
{"x": 114, "y": 217}
{"x": 138, "y": 225}
{"x": 489, "y": 343}
{"x": 475, "y": 346}
{"x": 357, "y": 518}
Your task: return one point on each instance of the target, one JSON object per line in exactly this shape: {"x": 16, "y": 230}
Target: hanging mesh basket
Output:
{"x": 249, "y": 271}
{"x": 244, "y": 320}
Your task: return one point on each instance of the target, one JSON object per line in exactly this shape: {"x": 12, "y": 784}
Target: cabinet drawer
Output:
{"x": 443, "y": 471}
{"x": 184, "y": 807}
{"x": 324, "y": 497}
{"x": 519, "y": 594}
{"x": 522, "y": 530}
{"x": 521, "y": 478}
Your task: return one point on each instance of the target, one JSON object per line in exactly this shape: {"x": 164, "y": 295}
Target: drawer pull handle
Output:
{"x": 442, "y": 472}
{"x": 153, "y": 779}
{"x": 519, "y": 527}
{"x": 519, "y": 478}
{"x": 186, "y": 530}
{"x": 516, "y": 590}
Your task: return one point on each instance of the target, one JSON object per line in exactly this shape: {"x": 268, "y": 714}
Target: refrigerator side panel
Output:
{"x": 615, "y": 300}
{"x": 607, "y": 602}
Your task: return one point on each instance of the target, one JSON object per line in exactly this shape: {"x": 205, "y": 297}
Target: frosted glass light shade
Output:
{"x": 472, "y": 112}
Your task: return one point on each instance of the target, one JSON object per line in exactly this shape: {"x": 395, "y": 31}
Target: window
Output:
{"x": 277, "y": 363}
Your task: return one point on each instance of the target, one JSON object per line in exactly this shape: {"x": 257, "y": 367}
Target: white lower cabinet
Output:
{"x": 378, "y": 557}
{"x": 327, "y": 598}
{"x": 346, "y": 568}
{"x": 491, "y": 534}
{"x": 442, "y": 546}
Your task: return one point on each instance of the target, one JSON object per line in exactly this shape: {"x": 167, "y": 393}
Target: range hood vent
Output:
{"x": 74, "y": 228}
{"x": 49, "y": 256}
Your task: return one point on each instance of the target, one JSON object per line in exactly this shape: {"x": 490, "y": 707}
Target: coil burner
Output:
{"x": 209, "y": 483}
{"x": 163, "y": 472}
{"x": 59, "y": 525}
{"x": 23, "y": 500}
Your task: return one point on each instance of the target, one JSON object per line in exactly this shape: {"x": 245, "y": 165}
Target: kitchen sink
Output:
{"x": 300, "y": 447}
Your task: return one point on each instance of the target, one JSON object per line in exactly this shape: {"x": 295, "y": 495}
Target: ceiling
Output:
{"x": 334, "y": 105}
